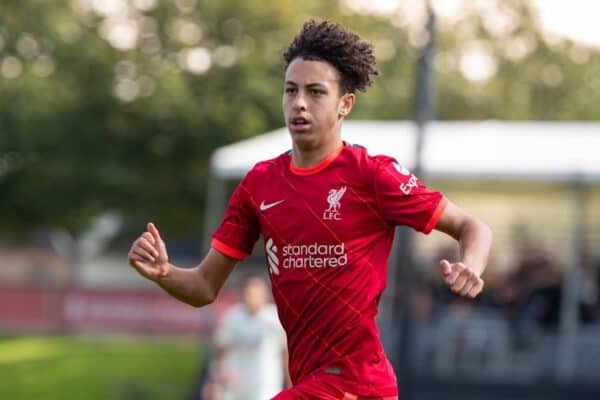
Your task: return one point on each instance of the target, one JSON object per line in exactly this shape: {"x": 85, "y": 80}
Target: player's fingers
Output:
{"x": 142, "y": 259}
{"x": 142, "y": 254}
{"x": 477, "y": 288}
{"x": 445, "y": 268}
{"x": 471, "y": 279}
{"x": 148, "y": 236}
{"x": 136, "y": 262}
{"x": 154, "y": 232}
{"x": 146, "y": 245}
{"x": 134, "y": 257}
{"x": 131, "y": 255}
{"x": 160, "y": 244}
{"x": 144, "y": 269}
{"x": 459, "y": 283}
{"x": 466, "y": 289}
{"x": 457, "y": 269}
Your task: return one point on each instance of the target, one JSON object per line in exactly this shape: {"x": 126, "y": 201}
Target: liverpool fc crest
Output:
{"x": 333, "y": 198}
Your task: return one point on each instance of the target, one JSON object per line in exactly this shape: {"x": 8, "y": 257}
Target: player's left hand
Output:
{"x": 461, "y": 279}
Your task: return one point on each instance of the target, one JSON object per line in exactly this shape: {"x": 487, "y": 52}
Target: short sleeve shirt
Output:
{"x": 327, "y": 233}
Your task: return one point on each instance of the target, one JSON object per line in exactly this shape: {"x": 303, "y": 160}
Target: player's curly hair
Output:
{"x": 326, "y": 41}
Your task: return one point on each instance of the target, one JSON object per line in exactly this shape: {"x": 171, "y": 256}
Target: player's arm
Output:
{"x": 197, "y": 286}
{"x": 285, "y": 359}
{"x": 475, "y": 240}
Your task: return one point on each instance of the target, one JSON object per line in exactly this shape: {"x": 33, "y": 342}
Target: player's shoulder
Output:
{"x": 263, "y": 169}
{"x": 364, "y": 160}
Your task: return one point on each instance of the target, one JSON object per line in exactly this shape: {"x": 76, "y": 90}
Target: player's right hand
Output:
{"x": 148, "y": 255}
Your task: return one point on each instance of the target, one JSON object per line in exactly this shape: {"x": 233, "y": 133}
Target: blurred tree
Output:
{"x": 116, "y": 105}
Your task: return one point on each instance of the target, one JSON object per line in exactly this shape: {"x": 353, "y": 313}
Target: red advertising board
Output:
{"x": 25, "y": 308}
{"x": 99, "y": 310}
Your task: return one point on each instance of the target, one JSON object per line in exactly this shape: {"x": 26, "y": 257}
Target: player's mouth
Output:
{"x": 299, "y": 124}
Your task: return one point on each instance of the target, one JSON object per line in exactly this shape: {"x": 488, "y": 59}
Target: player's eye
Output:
{"x": 316, "y": 92}
{"x": 290, "y": 90}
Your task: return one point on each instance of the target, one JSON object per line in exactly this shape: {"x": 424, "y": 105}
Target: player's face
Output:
{"x": 312, "y": 103}
{"x": 255, "y": 294}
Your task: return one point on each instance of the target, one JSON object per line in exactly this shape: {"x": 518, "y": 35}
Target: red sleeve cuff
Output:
{"x": 437, "y": 214}
{"x": 228, "y": 250}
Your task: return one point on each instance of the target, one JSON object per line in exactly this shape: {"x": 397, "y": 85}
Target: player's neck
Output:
{"x": 307, "y": 158}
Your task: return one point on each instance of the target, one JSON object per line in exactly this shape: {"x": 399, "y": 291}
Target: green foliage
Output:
{"x": 72, "y": 368}
{"x": 88, "y": 123}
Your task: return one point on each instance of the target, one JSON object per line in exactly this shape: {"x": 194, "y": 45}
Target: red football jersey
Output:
{"x": 328, "y": 232}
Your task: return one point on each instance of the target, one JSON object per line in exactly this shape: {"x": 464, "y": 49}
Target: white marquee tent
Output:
{"x": 453, "y": 150}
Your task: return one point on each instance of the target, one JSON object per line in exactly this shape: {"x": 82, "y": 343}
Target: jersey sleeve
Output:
{"x": 403, "y": 200}
{"x": 238, "y": 232}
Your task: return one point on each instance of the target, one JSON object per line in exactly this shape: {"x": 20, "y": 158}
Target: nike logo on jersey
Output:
{"x": 264, "y": 207}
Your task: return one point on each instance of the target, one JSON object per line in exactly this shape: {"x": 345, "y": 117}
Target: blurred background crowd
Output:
{"x": 110, "y": 111}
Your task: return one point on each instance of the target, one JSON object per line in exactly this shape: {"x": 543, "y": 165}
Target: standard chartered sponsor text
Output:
{"x": 314, "y": 255}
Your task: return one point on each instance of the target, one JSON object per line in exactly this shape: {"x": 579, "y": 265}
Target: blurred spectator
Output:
{"x": 499, "y": 294}
{"x": 539, "y": 283}
{"x": 251, "y": 357}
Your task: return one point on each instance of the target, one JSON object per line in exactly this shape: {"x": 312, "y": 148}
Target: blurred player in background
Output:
{"x": 327, "y": 212}
{"x": 251, "y": 353}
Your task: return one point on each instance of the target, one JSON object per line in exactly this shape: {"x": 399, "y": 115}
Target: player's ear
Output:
{"x": 346, "y": 103}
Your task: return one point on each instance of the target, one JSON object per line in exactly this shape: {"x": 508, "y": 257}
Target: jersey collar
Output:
{"x": 320, "y": 166}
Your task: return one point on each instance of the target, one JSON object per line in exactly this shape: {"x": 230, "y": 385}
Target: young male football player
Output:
{"x": 327, "y": 212}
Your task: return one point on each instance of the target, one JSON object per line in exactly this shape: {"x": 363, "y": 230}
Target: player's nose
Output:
{"x": 299, "y": 103}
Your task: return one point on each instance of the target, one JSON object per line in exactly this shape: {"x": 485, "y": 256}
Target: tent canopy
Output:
{"x": 548, "y": 151}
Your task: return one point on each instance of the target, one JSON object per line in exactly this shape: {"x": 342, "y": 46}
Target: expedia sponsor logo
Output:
{"x": 412, "y": 183}
{"x": 296, "y": 256}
